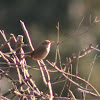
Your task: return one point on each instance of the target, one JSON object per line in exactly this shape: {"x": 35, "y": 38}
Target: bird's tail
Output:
{"x": 26, "y": 54}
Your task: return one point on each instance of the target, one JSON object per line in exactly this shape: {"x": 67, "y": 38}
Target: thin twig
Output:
{"x": 74, "y": 76}
{"x": 77, "y": 65}
{"x": 72, "y": 95}
{"x": 80, "y": 23}
{"x": 49, "y": 81}
{"x": 42, "y": 72}
{"x": 27, "y": 34}
{"x": 69, "y": 71}
{"x": 4, "y": 36}
{"x": 3, "y": 45}
{"x": 65, "y": 83}
{"x": 74, "y": 58}
{"x": 30, "y": 43}
{"x": 57, "y": 48}
{"x": 92, "y": 65}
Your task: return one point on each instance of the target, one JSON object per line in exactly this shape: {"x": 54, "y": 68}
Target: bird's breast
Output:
{"x": 40, "y": 53}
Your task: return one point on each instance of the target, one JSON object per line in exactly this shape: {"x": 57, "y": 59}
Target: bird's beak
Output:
{"x": 51, "y": 41}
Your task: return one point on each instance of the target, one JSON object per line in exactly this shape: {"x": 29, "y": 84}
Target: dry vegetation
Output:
{"x": 26, "y": 88}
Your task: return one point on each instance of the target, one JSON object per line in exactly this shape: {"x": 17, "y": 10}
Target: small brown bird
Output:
{"x": 41, "y": 52}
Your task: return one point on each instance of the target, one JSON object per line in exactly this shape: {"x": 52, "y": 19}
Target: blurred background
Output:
{"x": 41, "y": 18}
